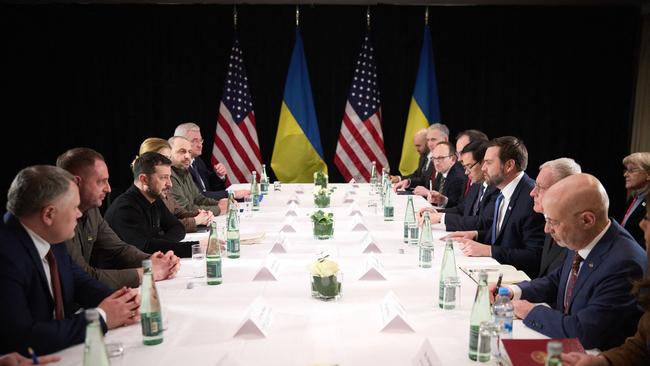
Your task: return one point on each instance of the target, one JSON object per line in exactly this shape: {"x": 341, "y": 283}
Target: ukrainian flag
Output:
{"x": 297, "y": 153}
{"x": 424, "y": 109}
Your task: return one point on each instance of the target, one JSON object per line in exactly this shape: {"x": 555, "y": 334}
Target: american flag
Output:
{"x": 361, "y": 141}
{"x": 235, "y": 141}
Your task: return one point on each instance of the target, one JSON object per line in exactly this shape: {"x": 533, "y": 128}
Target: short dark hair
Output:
{"x": 474, "y": 135}
{"x": 35, "y": 187}
{"x": 452, "y": 148}
{"x": 146, "y": 163}
{"x": 511, "y": 147}
{"x": 74, "y": 160}
{"x": 477, "y": 149}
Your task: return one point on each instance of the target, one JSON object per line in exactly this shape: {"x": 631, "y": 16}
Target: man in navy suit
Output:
{"x": 550, "y": 173}
{"x": 40, "y": 284}
{"x": 450, "y": 182}
{"x": 515, "y": 235}
{"x": 211, "y": 183}
{"x": 591, "y": 291}
{"x": 420, "y": 144}
{"x": 478, "y": 201}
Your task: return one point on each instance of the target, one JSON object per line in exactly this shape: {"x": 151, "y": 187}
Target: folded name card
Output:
{"x": 348, "y": 198}
{"x": 228, "y": 360}
{"x": 358, "y": 224}
{"x": 372, "y": 270}
{"x": 355, "y": 210}
{"x": 426, "y": 356}
{"x": 256, "y": 322}
{"x": 287, "y": 226}
{"x": 280, "y": 245}
{"x": 293, "y": 199}
{"x": 369, "y": 244}
{"x": 269, "y": 270}
{"x": 393, "y": 315}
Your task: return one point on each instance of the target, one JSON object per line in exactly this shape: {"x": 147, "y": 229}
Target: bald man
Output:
{"x": 591, "y": 290}
{"x": 420, "y": 143}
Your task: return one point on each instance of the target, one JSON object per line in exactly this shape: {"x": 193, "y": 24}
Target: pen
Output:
{"x": 496, "y": 290}
{"x": 33, "y": 354}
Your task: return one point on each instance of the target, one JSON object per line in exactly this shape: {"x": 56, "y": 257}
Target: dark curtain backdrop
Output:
{"x": 109, "y": 76}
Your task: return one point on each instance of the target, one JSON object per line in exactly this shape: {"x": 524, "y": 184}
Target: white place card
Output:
{"x": 257, "y": 321}
{"x": 348, "y": 198}
{"x": 300, "y": 190}
{"x": 228, "y": 360}
{"x": 393, "y": 315}
{"x": 287, "y": 226}
{"x": 280, "y": 245}
{"x": 426, "y": 356}
{"x": 372, "y": 270}
{"x": 358, "y": 224}
{"x": 369, "y": 244}
{"x": 269, "y": 270}
{"x": 355, "y": 210}
{"x": 293, "y": 199}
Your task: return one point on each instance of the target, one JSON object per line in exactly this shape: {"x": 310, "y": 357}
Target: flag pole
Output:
{"x": 234, "y": 16}
{"x": 368, "y": 16}
{"x": 297, "y": 16}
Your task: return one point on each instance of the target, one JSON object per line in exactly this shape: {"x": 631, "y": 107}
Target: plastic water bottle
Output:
{"x": 503, "y": 312}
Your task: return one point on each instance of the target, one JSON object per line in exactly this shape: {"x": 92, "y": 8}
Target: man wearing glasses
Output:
{"x": 450, "y": 179}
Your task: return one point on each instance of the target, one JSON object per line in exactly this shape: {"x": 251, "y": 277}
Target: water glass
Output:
{"x": 277, "y": 186}
{"x": 488, "y": 341}
{"x": 248, "y": 206}
{"x": 413, "y": 234}
{"x": 198, "y": 261}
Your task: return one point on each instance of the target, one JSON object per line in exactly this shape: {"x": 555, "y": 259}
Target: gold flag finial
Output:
{"x": 368, "y": 16}
{"x": 234, "y": 16}
{"x": 297, "y": 16}
{"x": 426, "y": 16}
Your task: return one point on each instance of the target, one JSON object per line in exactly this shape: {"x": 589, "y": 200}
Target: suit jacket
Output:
{"x": 552, "y": 256}
{"x": 422, "y": 163}
{"x": 454, "y": 188}
{"x": 521, "y": 238}
{"x": 102, "y": 254}
{"x": 27, "y": 306}
{"x": 148, "y": 226}
{"x": 424, "y": 177}
{"x": 602, "y": 311}
{"x": 215, "y": 188}
{"x": 461, "y": 216}
{"x": 632, "y": 223}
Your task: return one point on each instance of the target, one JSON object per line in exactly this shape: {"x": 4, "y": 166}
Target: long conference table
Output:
{"x": 203, "y": 324}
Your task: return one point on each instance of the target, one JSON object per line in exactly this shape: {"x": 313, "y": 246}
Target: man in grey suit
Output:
{"x": 550, "y": 173}
{"x": 95, "y": 246}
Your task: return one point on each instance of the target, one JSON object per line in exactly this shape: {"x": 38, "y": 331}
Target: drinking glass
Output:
{"x": 198, "y": 261}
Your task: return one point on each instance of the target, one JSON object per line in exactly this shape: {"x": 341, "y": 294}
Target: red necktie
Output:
{"x": 56, "y": 286}
{"x": 466, "y": 188}
{"x": 573, "y": 277}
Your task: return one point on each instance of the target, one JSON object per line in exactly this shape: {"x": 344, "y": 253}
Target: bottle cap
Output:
{"x": 146, "y": 263}
{"x": 554, "y": 347}
{"x": 503, "y": 291}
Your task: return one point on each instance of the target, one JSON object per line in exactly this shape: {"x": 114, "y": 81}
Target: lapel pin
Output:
{"x": 591, "y": 265}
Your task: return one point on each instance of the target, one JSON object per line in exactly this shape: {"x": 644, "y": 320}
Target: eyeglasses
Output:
{"x": 540, "y": 188}
{"x": 197, "y": 141}
{"x": 440, "y": 158}
{"x": 632, "y": 170}
{"x": 469, "y": 167}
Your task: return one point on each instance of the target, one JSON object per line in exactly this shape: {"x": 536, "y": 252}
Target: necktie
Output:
{"x": 479, "y": 198}
{"x": 441, "y": 183}
{"x": 467, "y": 187}
{"x": 56, "y": 286}
{"x": 573, "y": 277}
{"x": 197, "y": 176}
{"x": 629, "y": 210}
{"x": 495, "y": 220}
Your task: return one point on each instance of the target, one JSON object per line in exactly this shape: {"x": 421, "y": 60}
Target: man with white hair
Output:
{"x": 211, "y": 184}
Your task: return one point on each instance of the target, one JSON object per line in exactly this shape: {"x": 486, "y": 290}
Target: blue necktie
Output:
{"x": 197, "y": 176}
{"x": 496, "y": 217}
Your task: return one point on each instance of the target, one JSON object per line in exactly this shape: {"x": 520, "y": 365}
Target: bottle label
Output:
{"x": 388, "y": 211}
{"x": 151, "y": 324}
{"x": 484, "y": 352}
{"x": 213, "y": 268}
{"x": 232, "y": 245}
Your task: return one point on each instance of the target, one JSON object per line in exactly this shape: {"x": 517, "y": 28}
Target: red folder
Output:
{"x": 532, "y": 352}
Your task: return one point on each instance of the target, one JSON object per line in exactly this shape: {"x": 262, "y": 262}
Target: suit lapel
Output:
{"x": 511, "y": 203}
{"x": 471, "y": 198}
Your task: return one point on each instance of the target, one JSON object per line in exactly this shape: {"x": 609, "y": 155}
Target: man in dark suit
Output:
{"x": 211, "y": 183}
{"x": 139, "y": 215}
{"x": 515, "y": 236}
{"x": 478, "y": 201}
{"x": 450, "y": 182}
{"x": 40, "y": 284}
{"x": 550, "y": 173}
{"x": 420, "y": 144}
{"x": 436, "y": 133}
{"x": 95, "y": 247}
{"x": 591, "y": 291}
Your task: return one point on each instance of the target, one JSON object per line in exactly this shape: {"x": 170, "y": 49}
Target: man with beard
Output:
{"x": 140, "y": 217}
{"x": 515, "y": 235}
{"x": 95, "y": 247}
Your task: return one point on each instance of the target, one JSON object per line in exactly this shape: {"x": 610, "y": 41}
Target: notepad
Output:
{"x": 511, "y": 274}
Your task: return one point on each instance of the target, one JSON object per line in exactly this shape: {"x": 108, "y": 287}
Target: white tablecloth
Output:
{"x": 200, "y": 322}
